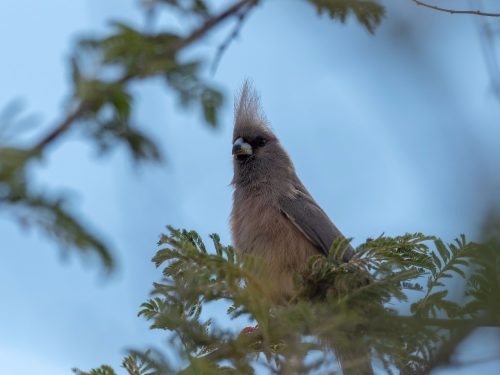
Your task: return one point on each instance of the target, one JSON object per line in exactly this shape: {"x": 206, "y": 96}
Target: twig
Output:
{"x": 211, "y": 23}
{"x": 232, "y": 36}
{"x": 63, "y": 126}
{"x": 86, "y": 105}
{"x": 454, "y": 11}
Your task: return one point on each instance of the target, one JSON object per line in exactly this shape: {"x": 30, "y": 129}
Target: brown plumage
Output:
{"x": 274, "y": 216}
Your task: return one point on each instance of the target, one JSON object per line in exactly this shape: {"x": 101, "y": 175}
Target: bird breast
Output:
{"x": 260, "y": 229}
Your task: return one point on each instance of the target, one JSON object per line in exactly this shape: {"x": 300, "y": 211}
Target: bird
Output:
{"x": 274, "y": 217}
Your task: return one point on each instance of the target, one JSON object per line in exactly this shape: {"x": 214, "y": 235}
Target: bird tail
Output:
{"x": 355, "y": 361}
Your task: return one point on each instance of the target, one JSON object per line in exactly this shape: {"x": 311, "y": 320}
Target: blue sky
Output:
{"x": 393, "y": 133}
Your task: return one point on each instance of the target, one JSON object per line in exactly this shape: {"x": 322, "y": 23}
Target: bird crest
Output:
{"x": 248, "y": 114}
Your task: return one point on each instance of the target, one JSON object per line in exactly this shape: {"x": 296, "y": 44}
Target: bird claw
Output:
{"x": 249, "y": 329}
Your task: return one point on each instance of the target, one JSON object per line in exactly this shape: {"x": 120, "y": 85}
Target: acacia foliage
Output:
{"x": 101, "y": 103}
{"x": 393, "y": 297}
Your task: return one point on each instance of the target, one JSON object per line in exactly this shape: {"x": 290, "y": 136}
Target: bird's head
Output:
{"x": 256, "y": 150}
{"x": 249, "y": 146}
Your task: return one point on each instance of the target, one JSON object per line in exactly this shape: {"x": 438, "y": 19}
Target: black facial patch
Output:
{"x": 258, "y": 142}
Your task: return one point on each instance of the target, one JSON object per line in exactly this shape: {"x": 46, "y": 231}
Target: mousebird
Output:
{"x": 274, "y": 217}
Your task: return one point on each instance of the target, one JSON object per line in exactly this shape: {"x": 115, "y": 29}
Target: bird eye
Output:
{"x": 260, "y": 141}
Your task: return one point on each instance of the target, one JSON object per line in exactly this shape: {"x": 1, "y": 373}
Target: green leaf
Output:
{"x": 443, "y": 251}
{"x": 211, "y": 102}
{"x": 369, "y": 13}
{"x": 103, "y": 370}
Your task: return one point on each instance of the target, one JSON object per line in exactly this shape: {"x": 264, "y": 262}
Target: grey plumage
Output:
{"x": 274, "y": 217}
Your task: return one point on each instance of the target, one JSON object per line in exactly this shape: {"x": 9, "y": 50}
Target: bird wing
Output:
{"x": 311, "y": 220}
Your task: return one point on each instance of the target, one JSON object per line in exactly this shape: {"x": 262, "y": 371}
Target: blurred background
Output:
{"x": 392, "y": 133}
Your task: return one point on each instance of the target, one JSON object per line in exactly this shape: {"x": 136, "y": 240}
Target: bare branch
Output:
{"x": 232, "y": 36}
{"x": 62, "y": 127}
{"x": 454, "y": 11}
{"x": 212, "y": 22}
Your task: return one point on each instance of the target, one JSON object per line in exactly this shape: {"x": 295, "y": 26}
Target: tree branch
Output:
{"x": 454, "y": 11}
{"x": 195, "y": 35}
{"x": 247, "y": 339}
{"x": 212, "y": 22}
{"x": 62, "y": 127}
{"x": 233, "y": 35}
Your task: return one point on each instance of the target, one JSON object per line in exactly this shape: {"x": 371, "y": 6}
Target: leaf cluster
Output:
{"x": 134, "y": 364}
{"x": 388, "y": 298}
{"x": 33, "y": 208}
{"x": 369, "y": 13}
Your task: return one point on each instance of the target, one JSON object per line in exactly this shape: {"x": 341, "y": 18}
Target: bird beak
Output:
{"x": 241, "y": 148}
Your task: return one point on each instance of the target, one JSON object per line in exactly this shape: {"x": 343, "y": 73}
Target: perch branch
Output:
{"x": 454, "y": 11}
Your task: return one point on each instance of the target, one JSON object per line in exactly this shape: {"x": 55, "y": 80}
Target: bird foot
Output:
{"x": 249, "y": 329}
